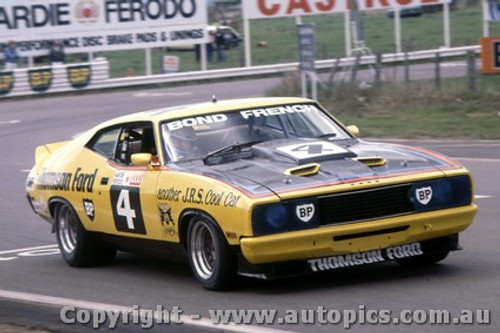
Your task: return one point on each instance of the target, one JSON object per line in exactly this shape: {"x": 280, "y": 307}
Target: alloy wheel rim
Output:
{"x": 67, "y": 230}
{"x": 203, "y": 253}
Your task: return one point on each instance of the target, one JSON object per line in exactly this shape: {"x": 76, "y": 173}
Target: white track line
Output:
{"x": 9, "y": 122}
{"x": 479, "y": 196}
{"x": 186, "y": 319}
{"x": 161, "y": 94}
{"x": 43, "y": 247}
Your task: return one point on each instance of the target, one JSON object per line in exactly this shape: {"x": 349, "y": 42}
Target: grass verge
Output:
{"x": 417, "y": 110}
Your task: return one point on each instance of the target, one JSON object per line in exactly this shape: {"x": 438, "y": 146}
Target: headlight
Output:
{"x": 441, "y": 193}
{"x": 284, "y": 216}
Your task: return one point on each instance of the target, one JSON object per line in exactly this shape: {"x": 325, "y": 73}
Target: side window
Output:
{"x": 135, "y": 139}
{"x": 105, "y": 142}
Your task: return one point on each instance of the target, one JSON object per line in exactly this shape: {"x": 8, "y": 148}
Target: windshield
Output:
{"x": 195, "y": 137}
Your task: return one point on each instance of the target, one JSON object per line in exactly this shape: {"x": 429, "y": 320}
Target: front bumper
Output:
{"x": 356, "y": 237}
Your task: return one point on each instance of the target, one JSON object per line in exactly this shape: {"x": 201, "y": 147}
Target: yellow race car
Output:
{"x": 261, "y": 187}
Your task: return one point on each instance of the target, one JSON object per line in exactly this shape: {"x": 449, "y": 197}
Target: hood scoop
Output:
{"x": 371, "y": 161}
{"x": 303, "y": 170}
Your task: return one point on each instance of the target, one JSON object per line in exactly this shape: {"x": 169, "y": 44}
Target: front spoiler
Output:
{"x": 301, "y": 267}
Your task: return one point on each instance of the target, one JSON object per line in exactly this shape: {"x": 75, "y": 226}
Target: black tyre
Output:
{"x": 212, "y": 262}
{"x": 423, "y": 260}
{"x": 76, "y": 245}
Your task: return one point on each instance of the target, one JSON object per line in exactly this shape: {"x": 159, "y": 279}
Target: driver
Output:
{"x": 183, "y": 144}
{"x": 255, "y": 126}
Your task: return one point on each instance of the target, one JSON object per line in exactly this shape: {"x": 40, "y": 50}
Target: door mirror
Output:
{"x": 354, "y": 130}
{"x": 141, "y": 159}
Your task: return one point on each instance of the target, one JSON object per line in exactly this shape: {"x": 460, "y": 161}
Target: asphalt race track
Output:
{"x": 35, "y": 283}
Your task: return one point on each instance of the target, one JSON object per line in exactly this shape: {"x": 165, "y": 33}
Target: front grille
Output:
{"x": 363, "y": 205}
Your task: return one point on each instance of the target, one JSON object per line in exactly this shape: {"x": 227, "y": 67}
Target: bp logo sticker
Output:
{"x": 88, "y": 205}
{"x": 424, "y": 195}
{"x": 6, "y": 82}
{"x": 305, "y": 212}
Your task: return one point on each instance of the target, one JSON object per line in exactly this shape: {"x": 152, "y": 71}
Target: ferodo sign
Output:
{"x": 254, "y": 9}
{"x": 95, "y": 25}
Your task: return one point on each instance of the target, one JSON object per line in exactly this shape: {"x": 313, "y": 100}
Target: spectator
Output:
{"x": 219, "y": 42}
{"x": 10, "y": 56}
{"x": 56, "y": 54}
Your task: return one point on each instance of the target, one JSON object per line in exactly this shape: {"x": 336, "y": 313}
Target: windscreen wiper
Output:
{"x": 217, "y": 156}
{"x": 327, "y": 136}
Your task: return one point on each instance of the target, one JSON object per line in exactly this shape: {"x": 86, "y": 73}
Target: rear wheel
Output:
{"x": 76, "y": 245}
{"x": 426, "y": 259}
{"x": 212, "y": 262}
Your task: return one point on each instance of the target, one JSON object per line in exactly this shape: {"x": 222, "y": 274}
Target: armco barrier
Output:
{"x": 53, "y": 79}
{"x": 100, "y": 79}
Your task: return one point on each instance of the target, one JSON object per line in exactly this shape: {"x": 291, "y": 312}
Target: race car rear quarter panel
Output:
{"x": 71, "y": 173}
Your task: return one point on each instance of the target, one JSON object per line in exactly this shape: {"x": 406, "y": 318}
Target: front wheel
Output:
{"x": 76, "y": 245}
{"x": 212, "y": 262}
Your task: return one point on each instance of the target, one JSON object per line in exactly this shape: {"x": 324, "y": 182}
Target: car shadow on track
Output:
{"x": 350, "y": 277}
{"x": 152, "y": 265}
{"x": 347, "y": 277}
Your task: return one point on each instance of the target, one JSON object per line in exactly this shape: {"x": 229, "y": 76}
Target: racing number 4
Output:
{"x": 127, "y": 211}
{"x": 124, "y": 209}
{"x": 310, "y": 149}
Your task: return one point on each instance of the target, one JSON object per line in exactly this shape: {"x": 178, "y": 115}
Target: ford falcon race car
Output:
{"x": 260, "y": 187}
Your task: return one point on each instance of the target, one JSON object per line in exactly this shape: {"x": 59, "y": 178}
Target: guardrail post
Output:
{"x": 333, "y": 71}
{"x": 471, "y": 70}
{"x": 355, "y": 68}
{"x": 378, "y": 69}
{"x": 147, "y": 62}
{"x": 407, "y": 68}
{"x": 438, "y": 71}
